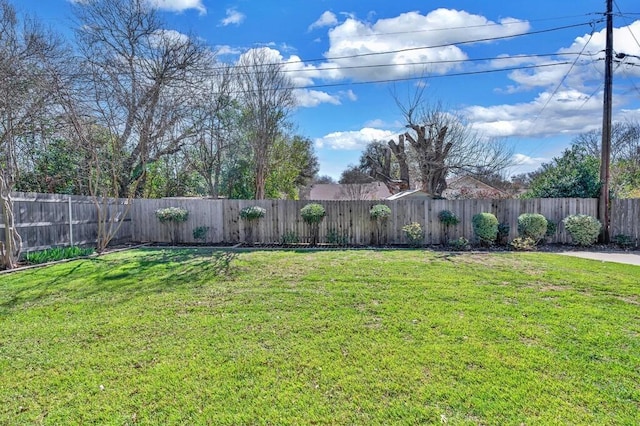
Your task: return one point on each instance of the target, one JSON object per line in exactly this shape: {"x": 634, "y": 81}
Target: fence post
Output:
{"x": 70, "y": 225}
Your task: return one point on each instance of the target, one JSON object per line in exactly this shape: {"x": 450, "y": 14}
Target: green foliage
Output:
{"x": 523, "y": 243}
{"x": 459, "y": 244}
{"x": 252, "y": 213}
{"x": 582, "y": 228}
{"x": 503, "y": 233}
{"x": 290, "y": 237}
{"x": 56, "y": 253}
{"x": 624, "y": 241}
{"x": 292, "y": 165}
{"x": 313, "y": 213}
{"x": 172, "y": 214}
{"x": 448, "y": 218}
{"x": 200, "y": 233}
{"x": 532, "y": 225}
{"x": 57, "y": 167}
{"x": 380, "y": 212}
{"x": 485, "y": 227}
{"x": 337, "y": 238}
{"x": 414, "y": 233}
{"x": 573, "y": 175}
{"x": 552, "y": 228}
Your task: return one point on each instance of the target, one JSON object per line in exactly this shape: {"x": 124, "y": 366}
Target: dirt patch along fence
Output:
{"x": 46, "y": 220}
{"x": 346, "y": 222}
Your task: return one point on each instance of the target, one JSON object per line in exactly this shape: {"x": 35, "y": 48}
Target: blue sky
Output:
{"x": 537, "y": 109}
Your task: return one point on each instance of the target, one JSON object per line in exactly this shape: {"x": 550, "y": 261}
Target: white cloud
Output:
{"x": 179, "y": 5}
{"x": 224, "y": 49}
{"x": 350, "y": 95}
{"x": 525, "y": 160}
{"x": 353, "y": 140}
{"x": 327, "y": 19}
{"x": 169, "y": 37}
{"x": 306, "y": 98}
{"x": 233, "y": 18}
{"x": 523, "y": 163}
{"x": 440, "y": 27}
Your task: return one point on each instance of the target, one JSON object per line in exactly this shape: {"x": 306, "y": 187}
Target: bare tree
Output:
{"x": 266, "y": 95}
{"x": 216, "y": 118}
{"x": 29, "y": 62}
{"x": 139, "y": 79}
{"x": 443, "y": 144}
{"x": 625, "y": 141}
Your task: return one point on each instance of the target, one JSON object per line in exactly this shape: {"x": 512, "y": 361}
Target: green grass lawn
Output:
{"x": 333, "y": 337}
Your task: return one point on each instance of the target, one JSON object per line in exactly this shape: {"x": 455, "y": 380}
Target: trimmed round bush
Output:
{"x": 532, "y": 225}
{"x": 380, "y": 212}
{"x": 582, "y": 228}
{"x": 448, "y": 218}
{"x": 313, "y": 213}
{"x": 252, "y": 213}
{"x": 485, "y": 227}
{"x": 172, "y": 214}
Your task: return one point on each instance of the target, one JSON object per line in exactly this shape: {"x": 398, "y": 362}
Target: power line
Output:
{"x": 392, "y": 80}
{"x": 628, "y": 26}
{"x": 450, "y": 61}
{"x": 562, "y": 80}
{"x": 435, "y": 46}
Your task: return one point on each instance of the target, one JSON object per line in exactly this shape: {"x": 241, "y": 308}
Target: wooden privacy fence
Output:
{"x": 625, "y": 218}
{"x": 46, "y": 220}
{"x": 346, "y": 221}
{"x": 50, "y": 220}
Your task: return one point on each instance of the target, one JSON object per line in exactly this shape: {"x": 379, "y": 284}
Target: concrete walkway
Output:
{"x": 628, "y": 258}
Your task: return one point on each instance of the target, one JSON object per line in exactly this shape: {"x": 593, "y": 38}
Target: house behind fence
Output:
{"x": 46, "y": 220}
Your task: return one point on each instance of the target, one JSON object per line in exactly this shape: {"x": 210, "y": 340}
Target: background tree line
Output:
{"x": 129, "y": 106}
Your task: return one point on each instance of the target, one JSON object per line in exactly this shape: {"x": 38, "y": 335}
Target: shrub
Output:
{"x": 57, "y": 253}
{"x": 337, "y": 238}
{"x": 503, "y": 233}
{"x": 414, "y": 234}
{"x": 200, "y": 233}
{"x": 312, "y": 213}
{"x": 552, "y": 228}
{"x": 532, "y": 225}
{"x": 623, "y": 241}
{"x": 252, "y": 213}
{"x": 380, "y": 212}
{"x": 485, "y": 227}
{"x": 459, "y": 244}
{"x": 448, "y": 218}
{"x": 172, "y": 214}
{"x": 583, "y": 229}
{"x": 523, "y": 243}
{"x": 290, "y": 237}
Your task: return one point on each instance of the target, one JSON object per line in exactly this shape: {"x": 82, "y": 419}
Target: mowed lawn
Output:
{"x": 331, "y": 337}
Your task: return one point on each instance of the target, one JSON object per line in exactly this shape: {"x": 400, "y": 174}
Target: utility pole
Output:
{"x": 605, "y": 159}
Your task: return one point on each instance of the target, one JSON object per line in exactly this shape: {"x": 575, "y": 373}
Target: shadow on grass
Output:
{"x": 109, "y": 280}
{"x": 32, "y": 293}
